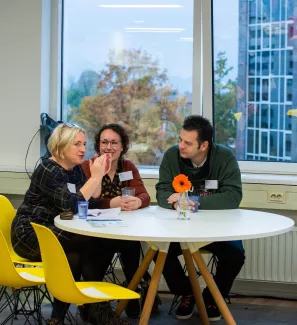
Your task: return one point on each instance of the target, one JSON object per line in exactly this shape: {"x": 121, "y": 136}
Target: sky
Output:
{"x": 90, "y": 31}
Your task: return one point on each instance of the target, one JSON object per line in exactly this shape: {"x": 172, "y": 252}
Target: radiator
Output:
{"x": 272, "y": 259}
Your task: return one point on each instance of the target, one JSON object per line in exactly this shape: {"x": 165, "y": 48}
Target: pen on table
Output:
{"x": 92, "y": 215}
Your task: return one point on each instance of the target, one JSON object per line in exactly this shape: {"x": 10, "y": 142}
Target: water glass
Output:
{"x": 82, "y": 209}
{"x": 128, "y": 191}
{"x": 183, "y": 207}
{"x": 196, "y": 200}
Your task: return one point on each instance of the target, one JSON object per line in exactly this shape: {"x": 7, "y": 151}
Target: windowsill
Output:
{"x": 247, "y": 178}
{"x": 153, "y": 173}
{"x": 15, "y": 169}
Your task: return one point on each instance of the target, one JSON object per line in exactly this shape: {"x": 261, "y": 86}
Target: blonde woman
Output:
{"x": 57, "y": 184}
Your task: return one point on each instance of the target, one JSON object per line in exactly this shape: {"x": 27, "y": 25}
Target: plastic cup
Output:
{"x": 82, "y": 209}
{"x": 196, "y": 200}
{"x": 128, "y": 191}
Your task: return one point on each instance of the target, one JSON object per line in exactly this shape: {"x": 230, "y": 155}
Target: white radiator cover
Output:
{"x": 271, "y": 259}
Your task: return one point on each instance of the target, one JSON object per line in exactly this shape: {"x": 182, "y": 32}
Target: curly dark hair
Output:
{"x": 201, "y": 125}
{"x": 117, "y": 128}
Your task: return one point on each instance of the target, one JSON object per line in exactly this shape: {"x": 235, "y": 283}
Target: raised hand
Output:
{"x": 100, "y": 166}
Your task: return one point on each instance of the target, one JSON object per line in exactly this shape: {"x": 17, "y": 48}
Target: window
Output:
{"x": 253, "y": 67}
{"x": 145, "y": 68}
{"x": 131, "y": 66}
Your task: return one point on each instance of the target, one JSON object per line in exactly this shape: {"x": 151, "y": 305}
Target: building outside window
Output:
{"x": 255, "y": 53}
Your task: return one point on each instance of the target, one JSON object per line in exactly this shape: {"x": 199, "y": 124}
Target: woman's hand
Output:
{"x": 100, "y": 166}
{"x": 128, "y": 203}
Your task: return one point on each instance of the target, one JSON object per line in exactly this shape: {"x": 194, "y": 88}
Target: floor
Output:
{"x": 246, "y": 311}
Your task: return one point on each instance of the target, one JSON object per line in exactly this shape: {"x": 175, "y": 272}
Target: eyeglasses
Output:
{"x": 114, "y": 144}
{"x": 71, "y": 125}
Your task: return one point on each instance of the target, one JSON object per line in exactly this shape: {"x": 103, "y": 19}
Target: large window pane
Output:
{"x": 258, "y": 41}
{"x": 131, "y": 66}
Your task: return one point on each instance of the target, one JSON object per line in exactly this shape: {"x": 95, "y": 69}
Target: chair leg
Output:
{"x": 110, "y": 275}
{"x": 24, "y": 307}
{"x": 175, "y": 302}
{"x": 8, "y": 299}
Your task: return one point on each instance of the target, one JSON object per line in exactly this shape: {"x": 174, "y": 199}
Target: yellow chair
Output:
{"x": 20, "y": 279}
{"x": 7, "y": 213}
{"x": 59, "y": 279}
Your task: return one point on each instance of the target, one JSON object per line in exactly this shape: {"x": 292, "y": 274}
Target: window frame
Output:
{"x": 202, "y": 79}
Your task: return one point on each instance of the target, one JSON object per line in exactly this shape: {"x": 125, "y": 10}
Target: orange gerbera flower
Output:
{"x": 181, "y": 183}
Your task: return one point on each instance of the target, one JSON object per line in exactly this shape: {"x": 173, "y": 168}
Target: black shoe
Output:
{"x": 133, "y": 308}
{"x": 185, "y": 308}
{"x": 213, "y": 313}
{"x": 53, "y": 321}
{"x": 101, "y": 313}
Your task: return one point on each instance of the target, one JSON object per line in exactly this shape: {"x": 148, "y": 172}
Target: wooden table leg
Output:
{"x": 146, "y": 312}
{"x": 195, "y": 286}
{"x": 149, "y": 256}
{"x": 213, "y": 287}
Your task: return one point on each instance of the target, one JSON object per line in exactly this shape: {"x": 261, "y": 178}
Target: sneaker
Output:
{"x": 133, "y": 308}
{"x": 213, "y": 313}
{"x": 185, "y": 308}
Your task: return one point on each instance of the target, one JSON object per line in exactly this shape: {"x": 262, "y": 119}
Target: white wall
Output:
{"x": 24, "y": 78}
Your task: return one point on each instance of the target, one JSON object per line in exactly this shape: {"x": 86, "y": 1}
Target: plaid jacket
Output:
{"x": 47, "y": 196}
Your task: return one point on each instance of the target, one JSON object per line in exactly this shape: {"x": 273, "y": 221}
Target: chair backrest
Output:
{"x": 58, "y": 276}
{"x": 8, "y": 275}
{"x": 7, "y": 213}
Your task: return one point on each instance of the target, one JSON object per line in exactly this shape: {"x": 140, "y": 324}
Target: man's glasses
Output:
{"x": 114, "y": 144}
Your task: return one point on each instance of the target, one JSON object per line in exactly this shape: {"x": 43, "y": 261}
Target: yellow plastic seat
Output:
{"x": 7, "y": 213}
{"x": 20, "y": 279}
{"x": 59, "y": 279}
{"x": 10, "y": 276}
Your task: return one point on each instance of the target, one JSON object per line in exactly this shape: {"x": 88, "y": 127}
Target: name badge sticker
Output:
{"x": 126, "y": 176}
{"x": 71, "y": 187}
{"x": 211, "y": 184}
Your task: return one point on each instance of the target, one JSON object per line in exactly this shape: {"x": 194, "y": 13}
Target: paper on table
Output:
{"x": 91, "y": 291}
{"x": 104, "y": 214}
{"x": 113, "y": 223}
{"x": 31, "y": 277}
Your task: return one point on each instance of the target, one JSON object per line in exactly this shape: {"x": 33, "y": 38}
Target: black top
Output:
{"x": 48, "y": 195}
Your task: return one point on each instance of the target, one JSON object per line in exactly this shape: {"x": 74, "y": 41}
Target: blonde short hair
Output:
{"x": 62, "y": 138}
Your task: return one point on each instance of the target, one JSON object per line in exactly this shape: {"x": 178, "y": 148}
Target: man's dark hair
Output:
{"x": 117, "y": 128}
{"x": 201, "y": 125}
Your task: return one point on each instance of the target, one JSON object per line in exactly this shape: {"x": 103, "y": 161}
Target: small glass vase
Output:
{"x": 183, "y": 205}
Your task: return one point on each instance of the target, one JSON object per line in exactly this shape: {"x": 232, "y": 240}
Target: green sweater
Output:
{"x": 223, "y": 167}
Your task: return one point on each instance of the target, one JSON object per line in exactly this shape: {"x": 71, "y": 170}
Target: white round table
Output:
{"x": 155, "y": 224}
{"x": 161, "y": 226}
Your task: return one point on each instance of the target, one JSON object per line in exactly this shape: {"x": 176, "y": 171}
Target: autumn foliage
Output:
{"x": 132, "y": 90}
